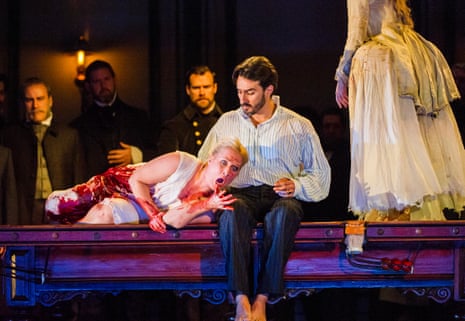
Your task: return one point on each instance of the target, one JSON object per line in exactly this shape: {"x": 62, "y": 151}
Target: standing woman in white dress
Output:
{"x": 408, "y": 160}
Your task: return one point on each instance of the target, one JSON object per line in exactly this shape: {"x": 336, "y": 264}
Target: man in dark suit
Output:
{"x": 113, "y": 133}
{"x": 46, "y": 155}
{"x": 8, "y": 198}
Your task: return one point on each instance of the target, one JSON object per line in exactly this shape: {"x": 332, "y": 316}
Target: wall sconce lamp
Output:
{"x": 81, "y": 49}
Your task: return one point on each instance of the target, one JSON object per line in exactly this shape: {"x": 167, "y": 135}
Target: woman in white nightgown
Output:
{"x": 408, "y": 160}
{"x": 173, "y": 189}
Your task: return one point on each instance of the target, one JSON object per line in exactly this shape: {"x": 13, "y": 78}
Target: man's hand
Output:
{"x": 284, "y": 187}
{"x": 120, "y": 157}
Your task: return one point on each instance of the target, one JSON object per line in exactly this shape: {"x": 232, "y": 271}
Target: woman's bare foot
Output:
{"x": 243, "y": 310}
{"x": 259, "y": 308}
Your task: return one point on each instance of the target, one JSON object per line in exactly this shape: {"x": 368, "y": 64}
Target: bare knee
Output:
{"x": 99, "y": 214}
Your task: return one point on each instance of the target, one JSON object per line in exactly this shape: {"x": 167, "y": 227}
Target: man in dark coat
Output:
{"x": 188, "y": 129}
{"x": 113, "y": 133}
{"x": 58, "y": 152}
{"x": 8, "y": 197}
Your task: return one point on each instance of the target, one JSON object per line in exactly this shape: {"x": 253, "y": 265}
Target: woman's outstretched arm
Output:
{"x": 199, "y": 210}
{"x": 155, "y": 171}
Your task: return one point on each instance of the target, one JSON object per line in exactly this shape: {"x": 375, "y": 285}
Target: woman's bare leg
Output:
{"x": 98, "y": 214}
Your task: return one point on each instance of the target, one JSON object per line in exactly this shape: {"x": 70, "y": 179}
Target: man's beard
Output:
{"x": 254, "y": 109}
{"x": 105, "y": 96}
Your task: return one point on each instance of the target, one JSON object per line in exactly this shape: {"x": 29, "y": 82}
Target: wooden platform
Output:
{"x": 50, "y": 263}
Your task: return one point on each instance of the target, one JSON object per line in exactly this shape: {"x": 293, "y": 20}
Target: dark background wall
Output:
{"x": 152, "y": 43}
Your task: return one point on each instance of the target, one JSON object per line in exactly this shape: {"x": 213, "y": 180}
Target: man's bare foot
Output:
{"x": 243, "y": 310}
{"x": 259, "y": 308}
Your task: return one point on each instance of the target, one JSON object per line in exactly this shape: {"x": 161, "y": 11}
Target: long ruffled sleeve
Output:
{"x": 357, "y": 34}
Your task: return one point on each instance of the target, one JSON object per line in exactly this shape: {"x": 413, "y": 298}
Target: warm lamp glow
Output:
{"x": 81, "y": 57}
{"x": 81, "y": 65}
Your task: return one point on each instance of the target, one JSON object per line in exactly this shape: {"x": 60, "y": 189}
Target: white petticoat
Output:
{"x": 401, "y": 156}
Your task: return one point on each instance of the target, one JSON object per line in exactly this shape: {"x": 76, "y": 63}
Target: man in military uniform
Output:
{"x": 187, "y": 130}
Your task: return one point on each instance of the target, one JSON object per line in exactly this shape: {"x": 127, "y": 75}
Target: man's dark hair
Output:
{"x": 98, "y": 64}
{"x": 257, "y": 68}
{"x": 198, "y": 70}
{"x": 34, "y": 81}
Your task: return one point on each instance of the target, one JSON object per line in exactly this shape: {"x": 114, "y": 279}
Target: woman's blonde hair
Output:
{"x": 403, "y": 11}
{"x": 233, "y": 143}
